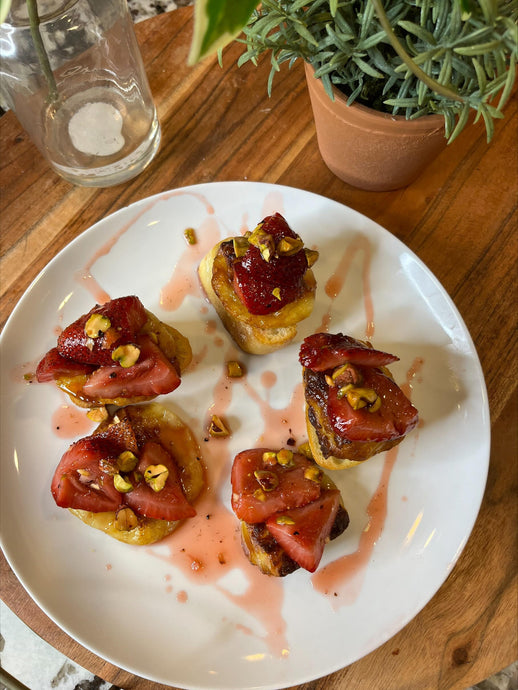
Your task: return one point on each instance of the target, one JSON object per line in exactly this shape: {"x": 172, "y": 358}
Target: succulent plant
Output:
{"x": 406, "y": 57}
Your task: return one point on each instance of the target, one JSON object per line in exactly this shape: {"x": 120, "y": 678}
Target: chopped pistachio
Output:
{"x": 305, "y": 449}
{"x": 329, "y": 381}
{"x": 267, "y": 479}
{"x": 85, "y": 476}
{"x": 260, "y": 495}
{"x": 344, "y": 390}
{"x": 217, "y": 428}
{"x": 122, "y": 485}
{"x": 190, "y": 235}
{"x": 127, "y": 461}
{"x": 285, "y": 457}
{"x": 96, "y": 325}
{"x": 284, "y": 520}
{"x": 313, "y": 473}
{"x": 125, "y": 519}
{"x": 234, "y": 369}
{"x": 240, "y": 245}
{"x": 126, "y": 355}
{"x": 97, "y": 414}
{"x": 375, "y": 405}
{"x": 264, "y": 242}
{"x": 269, "y": 458}
{"x": 288, "y": 246}
{"x": 340, "y": 370}
{"x": 156, "y": 476}
{"x": 311, "y": 256}
{"x": 276, "y": 292}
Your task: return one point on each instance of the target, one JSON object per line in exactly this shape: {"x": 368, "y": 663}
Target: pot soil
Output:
{"x": 370, "y": 149}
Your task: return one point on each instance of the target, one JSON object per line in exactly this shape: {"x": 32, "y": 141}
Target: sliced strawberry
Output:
{"x": 54, "y": 366}
{"x": 167, "y": 504}
{"x": 153, "y": 374}
{"x": 255, "y": 279}
{"x": 126, "y": 316}
{"x": 304, "y": 539}
{"x": 323, "y": 351}
{"x": 79, "y": 481}
{"x": 395, "y": 417}
{"x": 120, "y": 435}
{"x": 260, "y": 490}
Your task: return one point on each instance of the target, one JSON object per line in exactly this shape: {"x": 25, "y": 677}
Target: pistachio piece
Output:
{"x": 125, "y": 519}
{"x": 358, "y": 397}
{"x": 96, "y": 325}
{"x": 311, "y": 256}
{"x": 375, "y": 405}
{"x": 85, "y": 476}
{"x": 267, "y": 479}
{"x": 284, "y": 520}
{"x": 305, "y": 449}
{"x": 285, "y": 457}
{"x": 122, "y": 485}
{"x": 217, "y": 428}
{"x": 329, "y": 381}
{"x": 264, "y": 242}
{"x": 97, "y": 414}
{"x": 126, "y": 355}
{"x": 276, "y": 292}
{"x": 269, "y": 458}
{"x": 288, "y": 246}
{"x": 240, "y": 245}
{"x": 313, "y": 473}
{"x": 260, "y": 495}
{"x": 156, "y": 476}
{"x": 234, "y": 370}
{"x": 190, "y": 235}
{"x": 127, "y": 461}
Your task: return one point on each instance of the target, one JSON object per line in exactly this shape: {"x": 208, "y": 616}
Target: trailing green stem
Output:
{"x": 412, "y": 66}
{"x": 34, "y": 23}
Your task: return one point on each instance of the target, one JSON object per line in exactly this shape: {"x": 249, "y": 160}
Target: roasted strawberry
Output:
{"x": 270, "y": 273}
{"x": 303, "y": 532}
{"x": 322, "y": 351}
{"x": 152, "y": 374}
{"x": 265, "y": 482}
{"x": 93, "y": 337}
{"x": 157, "y": 493}
{"x": 54, "y": 366}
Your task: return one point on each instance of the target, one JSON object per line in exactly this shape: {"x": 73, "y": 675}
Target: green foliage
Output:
{"x": 216, "y": 22}
{"x": 406, "y": 57}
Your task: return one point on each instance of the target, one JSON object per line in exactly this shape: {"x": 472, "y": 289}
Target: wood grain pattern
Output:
{"x": 460, "y": 217}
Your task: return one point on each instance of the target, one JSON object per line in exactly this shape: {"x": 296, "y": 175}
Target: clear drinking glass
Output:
{"x": 74, "y": 77}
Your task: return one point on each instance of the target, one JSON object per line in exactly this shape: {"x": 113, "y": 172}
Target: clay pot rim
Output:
{"x": 369, "y": 114}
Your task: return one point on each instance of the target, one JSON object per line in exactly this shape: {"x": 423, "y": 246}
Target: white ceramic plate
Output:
{"x": 225, "y": 625}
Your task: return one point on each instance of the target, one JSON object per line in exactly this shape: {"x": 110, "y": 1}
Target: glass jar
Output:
{"x": 73, "y": 75}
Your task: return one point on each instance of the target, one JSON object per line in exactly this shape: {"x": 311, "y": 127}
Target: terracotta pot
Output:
{"x": 369, "y": 149}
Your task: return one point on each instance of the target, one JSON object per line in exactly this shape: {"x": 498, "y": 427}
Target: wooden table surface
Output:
{"x": 460, "y": 218}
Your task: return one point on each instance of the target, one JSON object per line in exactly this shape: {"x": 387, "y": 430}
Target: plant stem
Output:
{"x": 34, "y": 22}
{"x": 419, "y": 73}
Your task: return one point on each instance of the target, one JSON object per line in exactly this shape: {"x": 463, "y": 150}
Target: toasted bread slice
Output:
{"x": 255, "y": 334}
{"x": 157, "y": 421}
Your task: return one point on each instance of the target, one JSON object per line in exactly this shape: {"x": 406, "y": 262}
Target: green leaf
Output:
{"x": 5, "y": 6}
{"x": 216, "y": 23}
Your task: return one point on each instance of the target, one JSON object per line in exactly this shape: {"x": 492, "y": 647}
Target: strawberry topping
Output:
{"x": 123, "y": 319}
{"x": 266, "y": 285}
{"x": 323, "y": 351}
{"x": 152, "y": 374}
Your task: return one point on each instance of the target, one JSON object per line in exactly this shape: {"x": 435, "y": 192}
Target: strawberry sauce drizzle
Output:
{"x": 336, "y": 282}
